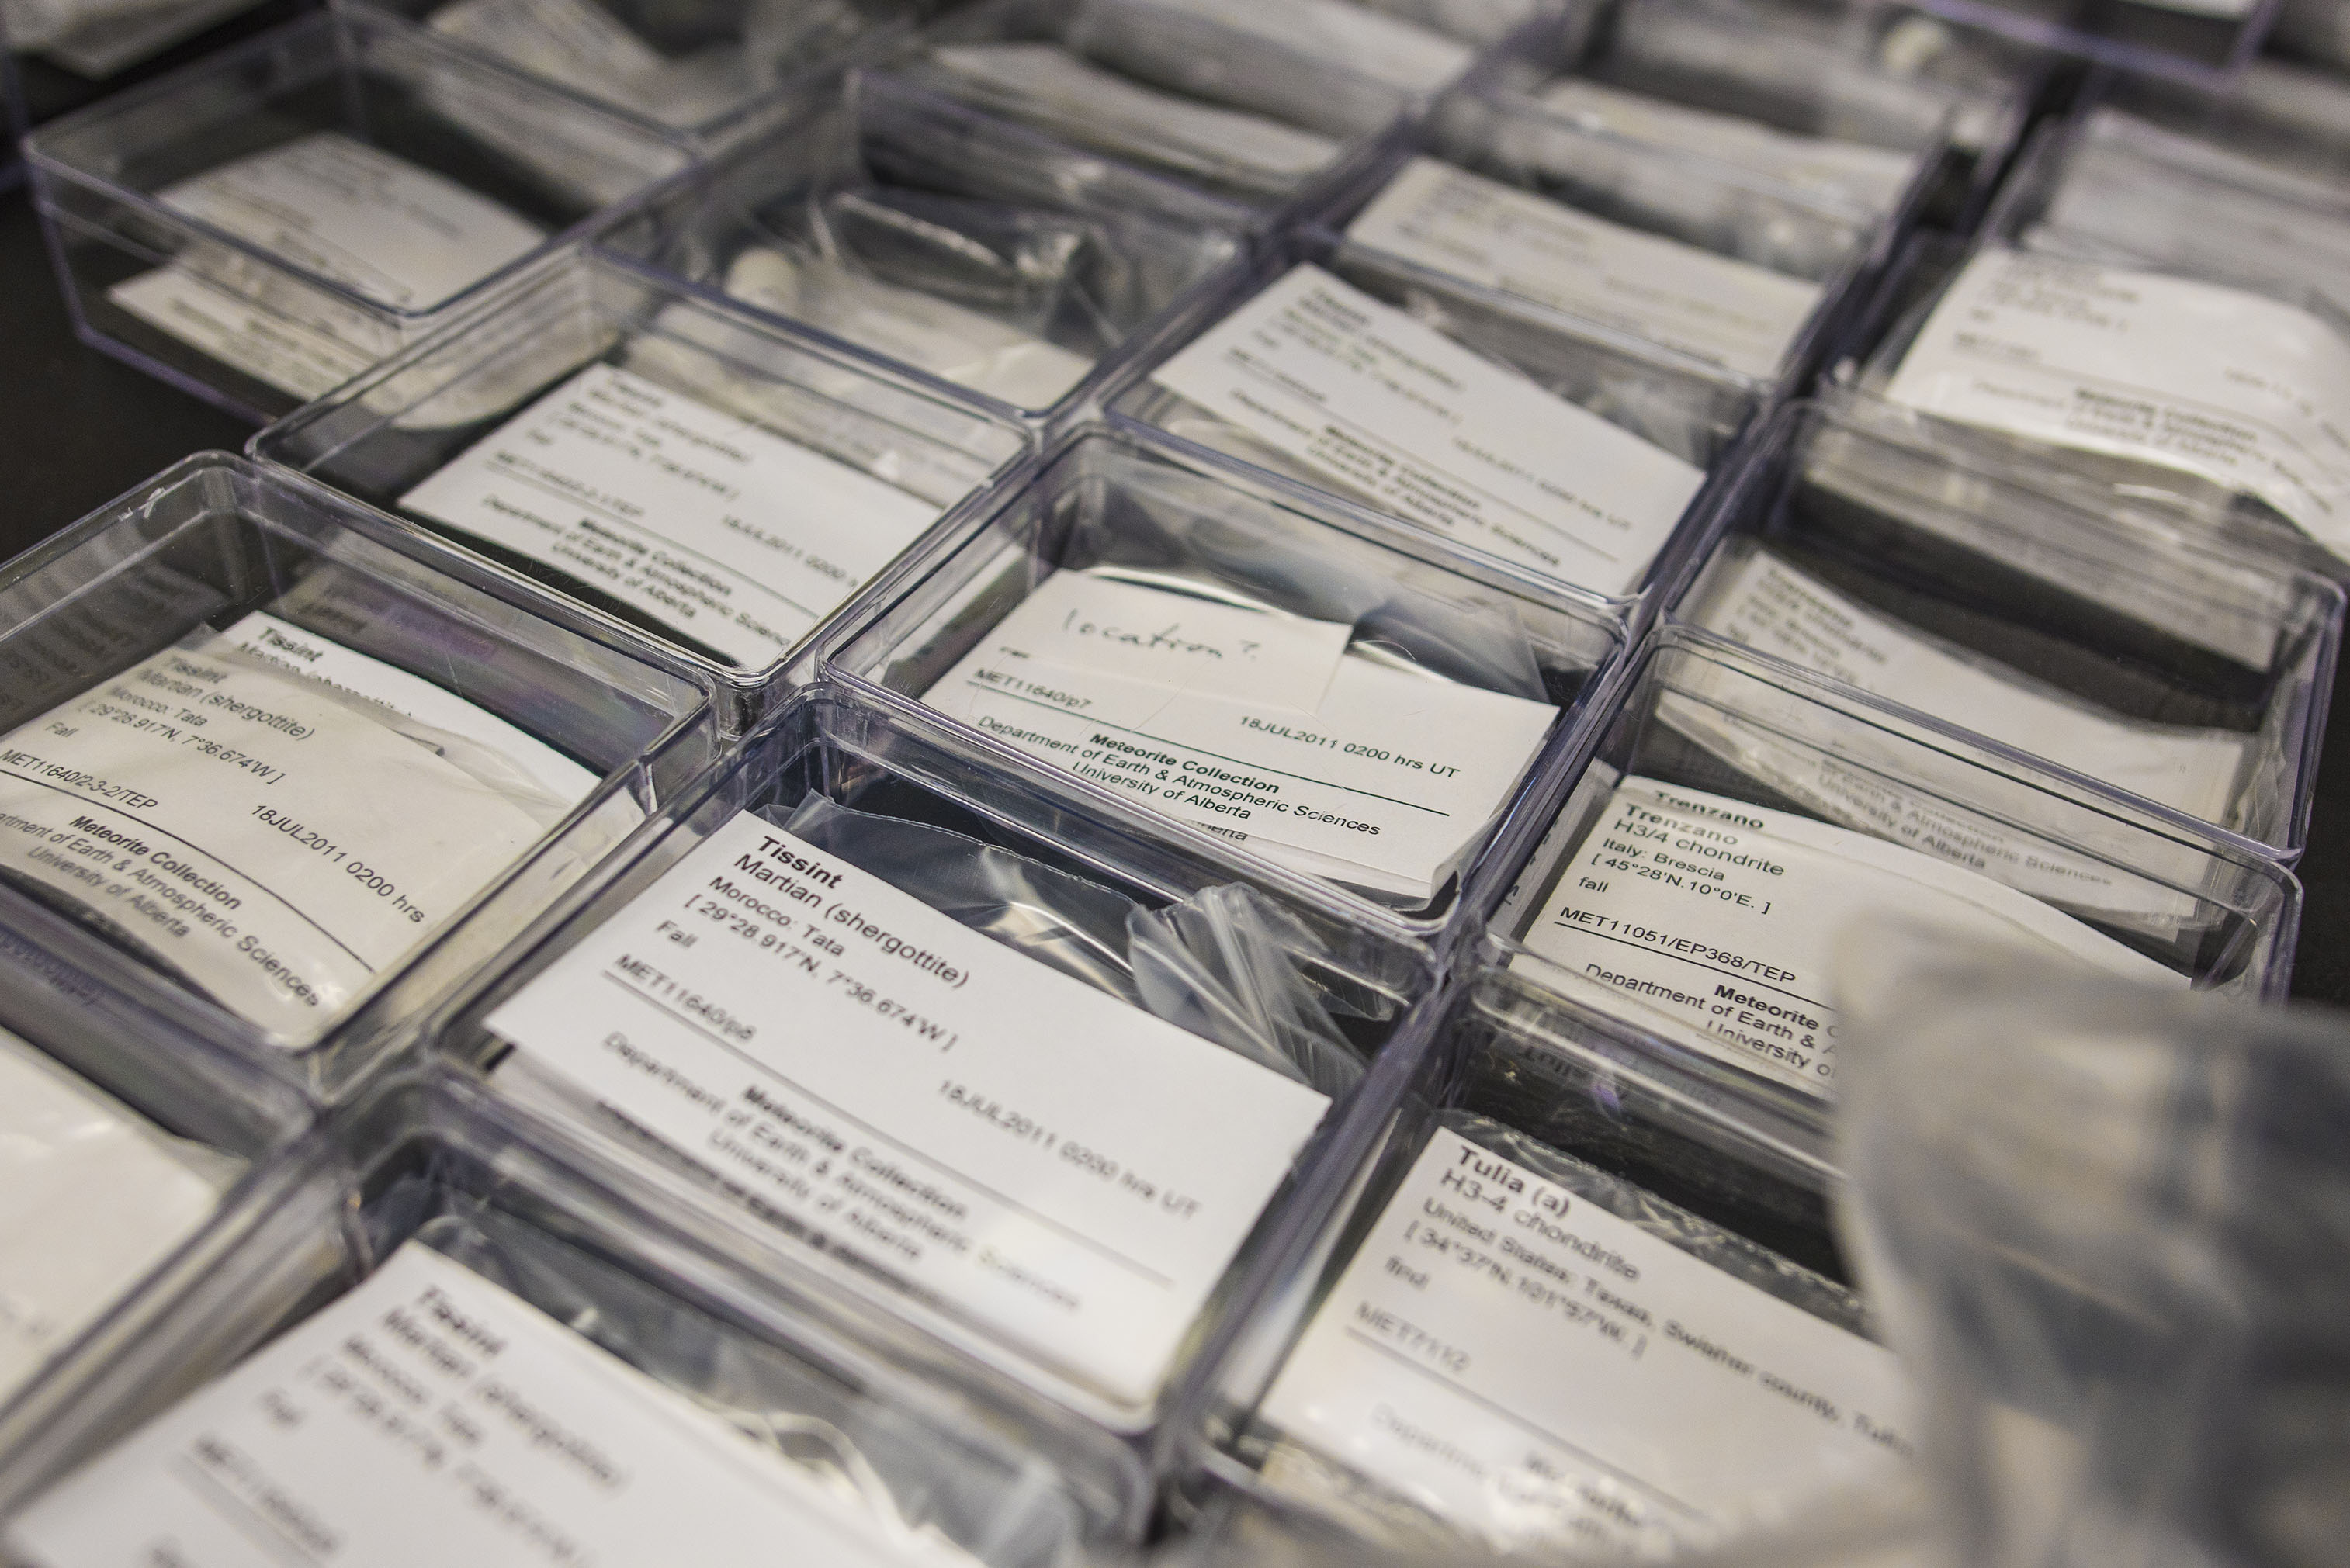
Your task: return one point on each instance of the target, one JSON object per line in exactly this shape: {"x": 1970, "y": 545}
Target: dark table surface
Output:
{"x": 77, "y": 428}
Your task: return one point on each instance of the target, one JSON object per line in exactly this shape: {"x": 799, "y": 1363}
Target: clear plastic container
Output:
{"x": 2014, "y": 1137}
{"x": 2196, "y": 41}
{"x": 1651, "y": 940}
{"x": 1855, "y": 109}
{"x": 1674, "y": 419}
{"x": 2149, "y": 661}
{"x": 181, "y": 1150}
{"x": 1545, "y": 1318}
{"x": 2186, "y": 183}
{"x": 1275, "y": 124}
{"x": 1482, "y": 22}
{"x": 693, "y": 1363}
{"x": 807, "y": 476}
{"x": 1907, "y": 40}
{"x": 966, "y": 250}
{"x": 262, "y": 226}
{"x": 1475, "y": 639}
{"x": 111, "y": 49}
{"x": 2184, "y": 343}
{"x": 713, "y": 70}
{"x": 2292, "y": 117}
{"x": 1570, "y": 226}
{"x": 71, "y": 51}
{"x": 894, "y": 1185}
{"x": 457, "y": 686}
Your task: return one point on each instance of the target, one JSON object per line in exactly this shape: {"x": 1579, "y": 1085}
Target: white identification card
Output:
{"x": 1518, "y": 1361}
{"x": 1054, "y": 87}
{"x": 431, "y": 1416}
{"x": 2235, "y": 388}
{"x": 1764, "y": 603}
{"x": 1714, "y": 308}
{"x": 934, "y": 335}
{"x": 1381, "y": 781}
{"x": 273, "y": 841}
{"x": 1070, "y": 1171}
{"x": 394, "y": 233}
{"x": 290, "y": 646}
{"x": 272, "y": 336}
{"x": 91, "y": 1200}
{"x": 1715, "y": 922}
{"x": 740, "y": 539}
{"x": 1336, "y": 32}
{"x": 1873, "y": 177}
{"x": 1390, "y": 408}
{"x": 1178, "y": 642}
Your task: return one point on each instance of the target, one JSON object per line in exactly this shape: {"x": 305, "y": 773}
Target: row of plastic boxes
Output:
{"x": 698, "y": 74}
{"x": 650, "y": 927}
{"x": 988, "y": 1153}
{"x": 908, "y": 1087}
{"x": 1096, "y": 176}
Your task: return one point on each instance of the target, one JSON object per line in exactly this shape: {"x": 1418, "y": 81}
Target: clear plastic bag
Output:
{"x": 2133, "y": 192}
{"x": 871, "y": 1456}
{"x": 92, "y": 1196}
{"x": 1854, "y": 172}
{"x": 1655, "y": 187}
{"x": 1012, "y": 301}
{"x": 1795, "y": 78}
{"x": 681, "y": 63}
{"x": 1819, "y": 612}
{"x": 1216, "y": 964}
{"x": 2105, "y": 1225}
{"x": 1248, "y": 155}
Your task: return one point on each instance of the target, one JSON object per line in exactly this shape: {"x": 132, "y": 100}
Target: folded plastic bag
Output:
{"x": 1216, "y": 964}
{"x": 871, "y": 1458}
{"x": 2133, "y": 192}
{"x": 583, "y": 46}
{"x": 1872, "y": 178}
{"x": 1056, "y": 90}
{"x": 1809, "y": 81}
{"x": 984, "y": 294}
{"x": 2107, "y": 1227}
{"x": 92, "y": 1196}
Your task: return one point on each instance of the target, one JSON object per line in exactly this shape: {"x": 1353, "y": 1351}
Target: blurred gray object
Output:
{"x": 2109, "y": 1230}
